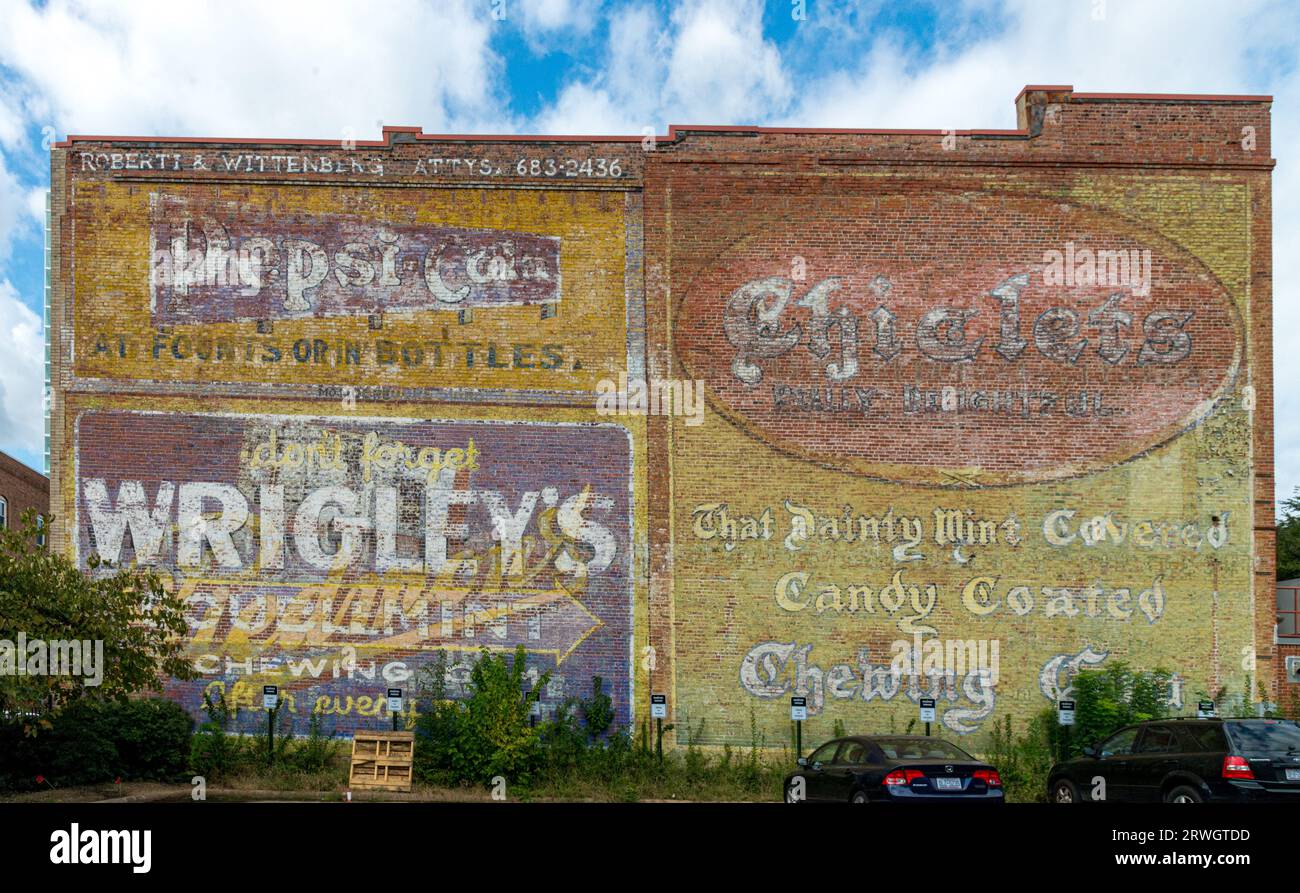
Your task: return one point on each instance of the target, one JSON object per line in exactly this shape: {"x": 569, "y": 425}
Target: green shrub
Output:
{"x": 152, "y": 738}
{"x": 215, "y": 754}
{"x": 1116, "y": 696}
{"x": 1229, "y": 702}
{"x": 598, "y": 710}
{"x": 437, "y": 728}
{"x": 316, "y": 753}
{"x": 263, "y": 752}
{"x": 563, "y": 740}
{"x": 485, "y": 735}
{"x": 1023, "y": 761}
{"x": 93, "y": 741}
{"x": 495, "y": 737}
{"x": 579, "y": 753}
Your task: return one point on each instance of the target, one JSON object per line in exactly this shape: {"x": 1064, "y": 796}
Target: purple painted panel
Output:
{"x": 223, "y": 261}
{"x": 338, "y": 556}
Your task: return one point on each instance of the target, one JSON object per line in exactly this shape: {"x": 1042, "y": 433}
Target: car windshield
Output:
{"x": 1265, "y": 736}
{"x": 920, "y": 749}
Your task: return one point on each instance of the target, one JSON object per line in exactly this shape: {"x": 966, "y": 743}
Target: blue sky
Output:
{"x": 327, "y": 69}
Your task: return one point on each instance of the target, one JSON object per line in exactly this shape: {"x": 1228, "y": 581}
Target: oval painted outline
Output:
{"x": 899, "y": 473}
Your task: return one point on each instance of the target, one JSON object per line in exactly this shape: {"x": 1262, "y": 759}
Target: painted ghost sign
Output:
{"x": 302, "y": 544}
{"x": 223, "y": 261}
{"x": 902, "y": 364}
{"x": 913, "y": 391}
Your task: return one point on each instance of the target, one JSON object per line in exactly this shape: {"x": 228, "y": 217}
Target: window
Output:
{"x": 1288, "y": 614}
{"x": 4, "y": 513}
{"x": 40, "y": 531}
{"x": 920, "y": 749}
{"x": 1158, "y": 739}
{"x": 824, "y": 754}
{"x": 853, "y": 753}
{"x": 1279, "y": 736}
{"x": 1203, "y": 737}
{"x": 1119, "y": 744}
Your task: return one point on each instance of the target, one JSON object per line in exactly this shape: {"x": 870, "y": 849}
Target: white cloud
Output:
{"x": 708, "y": 62}
{"x": 11, "y": 117}
{"x": 721, "y": 66}
{"x": 22, "y": 375}
{"x": 636, "y": 59}
{"x": 1136, "y": 48}
{"x": 252, "y": 68}
{"x": 583, "y": 109}
{"x": 35, "y": 205}
{"x": 624, "y": 96}
{"x": 14, "y": 210}
{"x": 543, "y": 19}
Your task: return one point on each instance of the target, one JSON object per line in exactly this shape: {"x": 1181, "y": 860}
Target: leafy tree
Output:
{"x": 486, "y": 734}
{"x": 1116, "y": 696}
{"x": 45, "y": 596}
{"x": 1288, "y": 538}
{"x": 495, "y": 737}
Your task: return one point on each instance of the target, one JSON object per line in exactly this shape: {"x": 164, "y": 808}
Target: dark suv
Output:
{"x": 1186, "y": 761}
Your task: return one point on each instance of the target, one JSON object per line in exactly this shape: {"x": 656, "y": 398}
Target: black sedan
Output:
{"x": 892, "y": 769}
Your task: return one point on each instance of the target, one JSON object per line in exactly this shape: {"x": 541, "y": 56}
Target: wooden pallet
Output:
{"x": 381, "y": 761}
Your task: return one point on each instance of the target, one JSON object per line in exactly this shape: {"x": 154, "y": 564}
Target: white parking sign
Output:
{"x": 927, "y": 709}
{"x": 1065, "y": 712}
{"x": 798, "y": 709}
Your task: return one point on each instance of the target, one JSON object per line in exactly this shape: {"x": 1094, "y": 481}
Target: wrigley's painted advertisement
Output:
{"x": 336, "y": 557}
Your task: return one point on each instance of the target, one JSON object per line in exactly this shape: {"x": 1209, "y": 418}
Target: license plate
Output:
{"x": 1293, "y": 775}
{"x": 947, "y": 784}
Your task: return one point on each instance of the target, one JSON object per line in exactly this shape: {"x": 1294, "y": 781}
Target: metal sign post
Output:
{"x": 271, "y": 702}
{"x": 395, "y": 705}
{"x": 659, "y": 711}
{"x": 927, "y": 713}
{"x": 798, "y": 713}
{"x": 1065, "y": 717}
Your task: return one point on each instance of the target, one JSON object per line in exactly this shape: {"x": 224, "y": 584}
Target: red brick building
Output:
{"x": 21, "y": 488}
{"x": 1007, "y": 392}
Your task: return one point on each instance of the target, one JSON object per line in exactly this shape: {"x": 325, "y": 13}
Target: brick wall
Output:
{"x": 375, "y": 442}
{"x": 1004, "y": 391}
{"x": 22, "y": 488}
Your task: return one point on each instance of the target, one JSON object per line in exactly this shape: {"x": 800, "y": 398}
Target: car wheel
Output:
{"x": 1184, "y": 794}
{"x": 859, "y": 797}
{"x": 1065, "y": 791}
